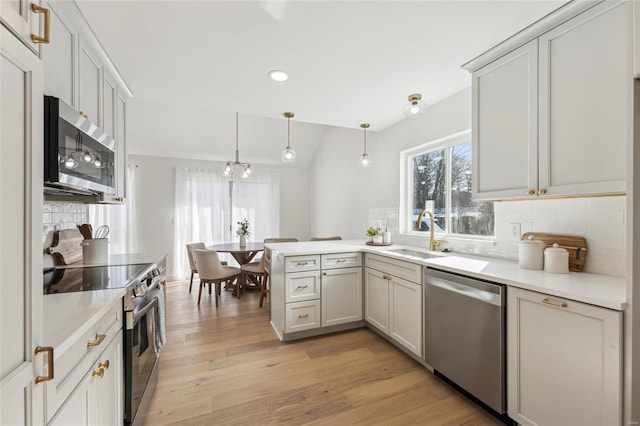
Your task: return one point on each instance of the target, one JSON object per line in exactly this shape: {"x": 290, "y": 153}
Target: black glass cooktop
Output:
{"x": 90, "y": 278}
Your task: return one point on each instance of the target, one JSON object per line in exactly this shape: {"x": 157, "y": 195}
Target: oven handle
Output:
{"x": 139, "y": 314}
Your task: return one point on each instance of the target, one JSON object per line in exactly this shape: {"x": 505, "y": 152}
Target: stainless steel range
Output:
{"x": 143, "y": 306}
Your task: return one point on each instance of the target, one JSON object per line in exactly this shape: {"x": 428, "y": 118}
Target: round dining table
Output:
{"x": 242, "y": 255}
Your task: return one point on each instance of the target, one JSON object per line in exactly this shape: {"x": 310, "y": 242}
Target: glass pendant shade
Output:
{"x": 364, "y": 160}
{"x": 70, "y": 162}
{"x": 288, "y": 154}
{"x": 236, "y": 164}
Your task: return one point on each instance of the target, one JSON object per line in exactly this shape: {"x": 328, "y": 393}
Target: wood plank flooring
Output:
{"x": 226, "y": 366}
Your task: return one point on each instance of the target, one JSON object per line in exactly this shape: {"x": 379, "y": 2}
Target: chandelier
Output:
{"x": 231, "y": 165}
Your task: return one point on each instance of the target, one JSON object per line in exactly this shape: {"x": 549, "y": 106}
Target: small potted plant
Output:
{"x": 371, "y": 232}
{"x": 243, "y": 231}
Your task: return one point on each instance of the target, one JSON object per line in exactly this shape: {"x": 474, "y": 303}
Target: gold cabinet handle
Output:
{"x": 324, "y": 273}
{"x": 542, "y": 191}
{"x": 47, "y": 26}
{"x": 99, "y": 339}
{"x": 554, "y": 303}
{"x": 84, "y": 114}
{"x": 341, "y": 260}
{"x": 104, "y": 365}
{"x": 99, "y": 373}
{"x": 303, "y": 316}
{"x": 386, "y": 277}
{"x": 302, "y": 286}
{"x": 531, "y": 192}
{"x": 49, "y": 351}
{"x": 301, "y": 263}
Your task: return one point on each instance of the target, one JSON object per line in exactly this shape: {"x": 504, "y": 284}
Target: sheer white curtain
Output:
{"x": 119, "y": 218}
{"x": 208, "y": 205}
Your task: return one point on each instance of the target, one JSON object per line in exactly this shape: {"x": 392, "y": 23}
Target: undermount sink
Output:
{"x": 411, "y": 253}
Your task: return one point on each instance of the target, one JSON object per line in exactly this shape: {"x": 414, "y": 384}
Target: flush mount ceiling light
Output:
{"x": 288, "y": 154}
{"x": 278, "y": 75}
{"x": 231, "y": 165}
{"x": 364, "y": 158}
{"x": 415, "y": 105}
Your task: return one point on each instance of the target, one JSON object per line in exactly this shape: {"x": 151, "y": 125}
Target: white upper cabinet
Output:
{"x": 89, "y": 84}
{"x": 24, "y": 21}
{"x": 59, "y": 58}
{"x": 552, "y": 116}
{"x": 505, "y": 125}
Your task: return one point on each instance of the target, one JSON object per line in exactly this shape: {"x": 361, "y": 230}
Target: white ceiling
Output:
{"x": 191, "y": 64}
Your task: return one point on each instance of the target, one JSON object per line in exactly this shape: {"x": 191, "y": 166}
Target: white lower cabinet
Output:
{"x": 393, "y": 305}
{"x": 564, "y": 361}
{"x": 98, "y": 398}
{"x": 341, "y": 296}
{"x": 302, "y": 316}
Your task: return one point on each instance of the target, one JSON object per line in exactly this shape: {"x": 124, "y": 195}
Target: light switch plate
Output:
{"x": 515, "y": 231}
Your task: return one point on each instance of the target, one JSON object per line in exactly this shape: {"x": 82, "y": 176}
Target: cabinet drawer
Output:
{"x": 74, "y": 362}
{"x": 302, "y": 286}
{"x": 340, "y": 260}
{"x": 302, "y": 316}
{"x": 405, "y": 270}
{"x": 302, "y": 263}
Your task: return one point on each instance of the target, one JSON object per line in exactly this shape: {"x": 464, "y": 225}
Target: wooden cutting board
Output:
{"x": 576, "y": 246}
{"x": 66, "y": 246}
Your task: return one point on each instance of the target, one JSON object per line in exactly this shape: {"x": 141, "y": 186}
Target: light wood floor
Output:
{"x": 226, "y": 366}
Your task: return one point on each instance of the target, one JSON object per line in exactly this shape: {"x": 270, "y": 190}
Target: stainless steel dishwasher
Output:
{"x": 465, "y": 334}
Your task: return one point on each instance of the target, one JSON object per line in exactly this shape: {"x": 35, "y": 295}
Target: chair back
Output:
{"x": 209, "y": 265}
{"x": 192, "y": 260}
{"x": 337, "y": 237}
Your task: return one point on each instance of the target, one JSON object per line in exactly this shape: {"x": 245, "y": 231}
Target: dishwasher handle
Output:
{"x": 463, "y": 290}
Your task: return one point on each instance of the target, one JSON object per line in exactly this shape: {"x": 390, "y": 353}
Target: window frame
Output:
{"x": 406, "y": 186}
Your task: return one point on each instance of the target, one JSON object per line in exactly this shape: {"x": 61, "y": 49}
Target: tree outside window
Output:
{"x": 442, "y": 183}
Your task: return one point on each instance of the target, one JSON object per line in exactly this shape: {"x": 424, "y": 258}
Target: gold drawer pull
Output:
{"x": 99, "y": 339}
{"x": 341, "y": 260}
{"x": 554, "y": 303}
{"x": 324, "y": 273}
{"x": 303, "y": 316}
{"x": 542, "y": 191}
{"x": 49, "y": 351}
{"x": 531, "y": 192}
{"x": 47, "y": 20}
{"x": 303, "y": 286}
{"x": 301, "y": 263}
{"x": 104, "y": 365}
{"x": 99, "y": 373}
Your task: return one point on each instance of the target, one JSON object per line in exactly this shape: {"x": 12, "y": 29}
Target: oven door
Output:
{"x": 141, "y": 355}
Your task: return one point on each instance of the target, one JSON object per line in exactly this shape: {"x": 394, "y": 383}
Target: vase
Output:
{"x": 243, "y": 240}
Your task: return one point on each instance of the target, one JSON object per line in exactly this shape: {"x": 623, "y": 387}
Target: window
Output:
{"x": 438, "y": 178}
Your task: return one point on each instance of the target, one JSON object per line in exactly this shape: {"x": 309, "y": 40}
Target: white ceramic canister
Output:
{"x": 531, "y": 253}
{"x": 556, "y": 260}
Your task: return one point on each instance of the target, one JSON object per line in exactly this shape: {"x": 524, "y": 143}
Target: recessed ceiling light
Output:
{"x": 278, "y": 75}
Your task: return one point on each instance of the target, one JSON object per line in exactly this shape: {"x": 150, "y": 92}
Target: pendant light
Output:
{"x": 415, "y": 105}
{"x": 288, "y": 154}
{"x": 230, "y": 165}
{"x": 364, "y": 158}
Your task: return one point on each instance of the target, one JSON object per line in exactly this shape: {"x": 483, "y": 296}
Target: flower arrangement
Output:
{"x": 243, "y": 229}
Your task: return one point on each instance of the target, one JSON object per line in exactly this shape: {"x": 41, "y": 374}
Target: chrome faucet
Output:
{"x": 433, "y": 243}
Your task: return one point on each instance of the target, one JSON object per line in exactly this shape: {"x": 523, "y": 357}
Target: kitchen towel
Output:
{"x": 160, "y": 336}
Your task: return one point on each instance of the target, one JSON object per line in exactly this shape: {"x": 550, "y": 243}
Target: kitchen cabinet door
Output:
{"x": 505, "y": 125}
{"x": 405, "y": 325}
{"x": 564, "y": 361}
{"x": 585, "y": 96}
{"x": 77, "y": 409}
{"x": 19, "y": 16}
{"x": 121, "y": 171}
{"x": 89, "y": 84}
{"x": 376, "y": 293}
{"x": 59, "y": 58}
{"x": 109, "y": 388}
{"x": 21, "y": 159}
{"x": 341, "y": 291}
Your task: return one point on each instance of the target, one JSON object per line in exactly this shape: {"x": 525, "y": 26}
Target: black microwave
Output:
{"x": 78, "y": 156}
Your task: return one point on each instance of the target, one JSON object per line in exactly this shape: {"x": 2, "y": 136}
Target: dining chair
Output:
{"x": 337, "y": 237}
{"x": 192, "y": 260}
{"x": 260, "y": 270}
{"x": 212, "y": 271}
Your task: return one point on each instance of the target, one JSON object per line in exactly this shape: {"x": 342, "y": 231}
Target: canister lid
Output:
{"x": 531, "y": 241}
{"x": 556, "y": 250}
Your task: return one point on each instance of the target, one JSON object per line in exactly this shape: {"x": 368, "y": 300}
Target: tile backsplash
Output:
{"x": 60, "y": 215}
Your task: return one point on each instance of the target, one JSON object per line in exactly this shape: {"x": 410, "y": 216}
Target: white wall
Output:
{"x": 155, "y": 186}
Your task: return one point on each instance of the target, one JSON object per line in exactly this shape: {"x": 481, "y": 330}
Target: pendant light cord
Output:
{"x": 237, "y": 149}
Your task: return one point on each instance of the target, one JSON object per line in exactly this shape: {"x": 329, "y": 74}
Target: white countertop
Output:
{"x": 69, "y": 315}
{"x": 122, "y": 259}
{"x": 600, "y": 290}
